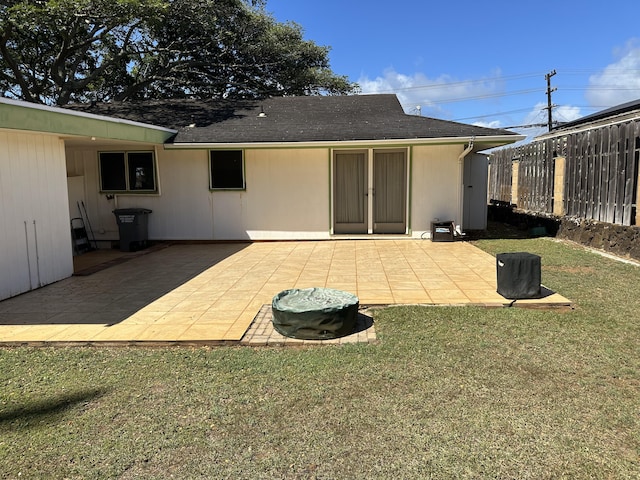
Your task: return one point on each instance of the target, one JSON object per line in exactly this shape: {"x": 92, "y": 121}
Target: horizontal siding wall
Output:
{"x": 35, "y": 237}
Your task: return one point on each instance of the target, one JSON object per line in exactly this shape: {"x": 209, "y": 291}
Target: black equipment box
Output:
{"x": 519, "y": 275}
{"x": 442, "y": 231}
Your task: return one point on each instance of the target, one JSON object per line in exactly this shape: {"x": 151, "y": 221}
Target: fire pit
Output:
{"x": 314, "y": 313}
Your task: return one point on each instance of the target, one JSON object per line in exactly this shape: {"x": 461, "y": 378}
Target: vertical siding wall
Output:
{"x": 35, "y": 236}
{"x": 286, "y": 196}
{"x": 434, "y": 186}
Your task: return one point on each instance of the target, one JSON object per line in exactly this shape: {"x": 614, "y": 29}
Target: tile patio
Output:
{"x": 216, "y": 293}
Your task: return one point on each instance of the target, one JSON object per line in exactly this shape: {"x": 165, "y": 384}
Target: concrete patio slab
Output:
{"x": 213, "y": 293}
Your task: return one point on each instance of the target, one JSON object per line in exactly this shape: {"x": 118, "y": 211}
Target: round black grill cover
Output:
{"x": 314, "y": 313}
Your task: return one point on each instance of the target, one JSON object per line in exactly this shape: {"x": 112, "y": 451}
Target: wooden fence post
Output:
{"x": 558, "y": 186}
{"x": 515, "y": 168}
{"x": 637, "y": 199}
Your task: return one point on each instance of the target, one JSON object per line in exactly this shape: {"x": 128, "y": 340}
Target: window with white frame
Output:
{"x": 127, "y": 172}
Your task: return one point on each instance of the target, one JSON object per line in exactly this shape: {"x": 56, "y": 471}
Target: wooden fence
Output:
{"x": 601, "y": 178}
{"x": 599, "y": 175}
{"x": 535, "y": 177}
{"x": 500, "y": 175}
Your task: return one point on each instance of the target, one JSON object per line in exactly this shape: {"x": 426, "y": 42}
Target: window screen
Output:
{"x": 141, "y": 174}
{"x": 127, "y": 172}
{"x": 227, "y": 169}
{"x": 112, "y": 171}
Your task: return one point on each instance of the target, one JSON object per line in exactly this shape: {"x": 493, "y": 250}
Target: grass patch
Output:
{"x": 448, "y": 392}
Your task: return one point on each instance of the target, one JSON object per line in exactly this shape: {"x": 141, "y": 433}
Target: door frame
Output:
{"x": 369, "y": 154}
{"x": 390, "y": 227}
{"x": 359, "y": 198}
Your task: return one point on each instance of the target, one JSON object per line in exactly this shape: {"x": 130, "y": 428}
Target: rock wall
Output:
{"x": 617, "y": 239}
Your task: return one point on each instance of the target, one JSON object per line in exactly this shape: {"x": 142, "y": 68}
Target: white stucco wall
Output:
{"x": 434, "y": 184}
{"x": 35, "y": 234}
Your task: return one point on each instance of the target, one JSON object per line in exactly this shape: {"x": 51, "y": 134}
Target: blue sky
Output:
{"x": 481, "y": 62}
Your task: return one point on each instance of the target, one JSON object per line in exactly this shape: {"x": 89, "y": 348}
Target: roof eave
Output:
{"x": 591, "y": 125}
{"x": 480, "y": 142}
{"x": 25, "y": 116}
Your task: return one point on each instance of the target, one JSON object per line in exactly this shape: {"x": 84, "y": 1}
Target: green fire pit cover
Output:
{"x": 314, "y": 313}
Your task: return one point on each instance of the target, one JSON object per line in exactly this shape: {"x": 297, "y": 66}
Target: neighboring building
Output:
{"x": 620, "y": 113}
{"x": 275, "y": 169}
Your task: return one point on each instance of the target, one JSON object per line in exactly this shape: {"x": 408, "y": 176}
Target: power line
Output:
{"x": 598, "y": 70}
{"x": 520, "y": 110}
{"x": 531, "y": 125}
{"x": 601, "y": 87}
{"x": 482, "y": 97}
{"x": 441, "y": 85}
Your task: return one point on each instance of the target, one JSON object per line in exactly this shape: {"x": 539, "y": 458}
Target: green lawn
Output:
{"x": 448, "y": 392}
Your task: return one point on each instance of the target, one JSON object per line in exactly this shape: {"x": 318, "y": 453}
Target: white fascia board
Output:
{"x": 498, "y": 140}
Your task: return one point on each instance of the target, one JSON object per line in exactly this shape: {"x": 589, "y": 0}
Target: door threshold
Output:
{"x": 370, "y": 236}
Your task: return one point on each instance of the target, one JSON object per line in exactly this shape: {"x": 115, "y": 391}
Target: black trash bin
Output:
{"x": 519, "y": 275}
{"x": 133, "y": 225}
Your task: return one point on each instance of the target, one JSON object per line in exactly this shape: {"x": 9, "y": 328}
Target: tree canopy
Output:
{"x": 62, "y": 51}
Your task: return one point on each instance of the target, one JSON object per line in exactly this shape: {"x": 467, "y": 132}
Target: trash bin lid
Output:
{"x": 132, "y": 211}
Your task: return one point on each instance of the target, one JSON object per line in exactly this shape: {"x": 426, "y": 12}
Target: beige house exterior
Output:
{"x": 52, "y": 160}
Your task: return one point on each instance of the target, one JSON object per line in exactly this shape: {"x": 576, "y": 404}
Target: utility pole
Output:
{"x": 549, "y": 90}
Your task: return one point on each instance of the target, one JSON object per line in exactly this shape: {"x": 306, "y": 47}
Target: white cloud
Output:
{"x": 431, "y": 94}
{"x": 493, "y": 124}
{"x": 619, "y": 82}
{"x": 538, "y": 114}
{"x": 566, "y": 113}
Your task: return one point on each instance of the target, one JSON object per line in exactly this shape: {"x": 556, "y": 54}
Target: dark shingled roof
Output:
{"x": 602, "y": 114}
{"x": 287, "y": 119}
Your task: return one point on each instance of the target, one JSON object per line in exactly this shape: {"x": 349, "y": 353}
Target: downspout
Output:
{"x": 464, "y": 153}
